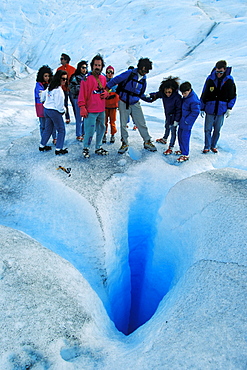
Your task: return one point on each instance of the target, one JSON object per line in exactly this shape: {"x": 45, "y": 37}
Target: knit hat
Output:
{"x": 110, "y": 67}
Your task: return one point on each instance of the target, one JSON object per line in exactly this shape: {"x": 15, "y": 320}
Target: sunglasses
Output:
{"x": 64, "y": 78}
{"x": 110, "y": 72}
{"x": 83, "y": 67}
{"x": 220, "y": 72}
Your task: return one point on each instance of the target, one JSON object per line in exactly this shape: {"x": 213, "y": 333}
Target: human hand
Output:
{"x": 228, "y": 112}
{"x": 83, "y": 111}
{"x": 175, "y": 123}
{"x": 104, "y": 95}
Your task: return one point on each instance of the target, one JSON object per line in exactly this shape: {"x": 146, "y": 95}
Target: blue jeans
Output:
{"x": 67, "y": 97}
{"x": 214, "y": 123}
{"x": 173, "y": 131}
{"x": 42, "y": 127}
{"x": 184, "y": 140}
{"x": 78, "y": 119}
{"x": 53, "y": 119}
{"x": 94, "y": 122}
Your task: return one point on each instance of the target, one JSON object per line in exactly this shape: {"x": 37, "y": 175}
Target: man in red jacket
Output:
{"x": 91, "y": 100}
{"x": 65, "y": 59}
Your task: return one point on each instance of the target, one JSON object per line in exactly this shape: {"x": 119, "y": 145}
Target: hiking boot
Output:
{"x": 101, "y": 151}
{"x": 161, "y": 141}
{"x": 112, "y": 140}
{"x": 79, "y": 138}
{"x": 61, "y": 151}
{"x": 214, "y": 150}
{"x": 183, "y": 158}
{"x": 168, "y": 151}
{"x": 54, "y": 141}
{"x": 67, "y": 120}
{"x": 123, "y": 148}
{"x": 178, "y": 152}
{"x": 45, "y": 148}
{"x": 104, "y": 139}
{"x": 85, "y": 153}
{"x": 150, "y": 146}
{"x": 134, "y": 128}
{"x": 205, "y": 151}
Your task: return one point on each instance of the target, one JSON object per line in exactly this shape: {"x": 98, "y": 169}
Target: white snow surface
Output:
{"x": 132, "y": 243}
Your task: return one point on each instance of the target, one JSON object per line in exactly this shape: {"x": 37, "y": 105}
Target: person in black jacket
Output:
{"x": 217, "y": 99}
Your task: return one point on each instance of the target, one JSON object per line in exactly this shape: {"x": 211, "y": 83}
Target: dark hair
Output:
{"x": 56, "y": 79}
{"x": 131, "y": 67}
{"x": 78, "y": 67}
{"x": 186, "y": 86}
{"x": 221, "y": 64}
{"x": 144, "y": 62}
{"x": 169, "y": 83}
{"x": 66, "y": 57}
{"x": 40, "y": 75}
{"x": 97, "y": 57}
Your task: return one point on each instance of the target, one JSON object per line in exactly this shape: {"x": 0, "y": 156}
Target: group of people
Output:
{"x": 95, "y": 98}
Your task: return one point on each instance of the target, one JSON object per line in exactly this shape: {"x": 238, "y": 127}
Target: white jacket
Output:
{"x": 54, "y": 99}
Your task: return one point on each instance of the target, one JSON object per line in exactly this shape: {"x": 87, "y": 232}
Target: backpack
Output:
{"x": 121, "y": 88}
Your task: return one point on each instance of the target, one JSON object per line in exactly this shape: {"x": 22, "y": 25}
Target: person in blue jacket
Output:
{"x": 217, "y": 99}
{"x": 131, "y": 88}
{"x": 190, "y": 112}
{"x": 172, "y": 102}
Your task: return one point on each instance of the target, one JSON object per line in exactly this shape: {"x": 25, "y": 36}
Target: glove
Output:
{"x": 104, "y": 95}
{"x": 175, "y": 123}
{"x": 228, "y": 112}
{"x": 83, "y": 112}
{"x": 202, "y": 113}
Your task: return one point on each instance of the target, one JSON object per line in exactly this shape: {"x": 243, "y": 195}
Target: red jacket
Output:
{"x": 70, "y": 70}
{"x": 89, "y": 94}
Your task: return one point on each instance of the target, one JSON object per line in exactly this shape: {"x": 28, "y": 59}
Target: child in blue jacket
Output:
{"x": 172, "y": 102}
{"x": 190, "y": 111}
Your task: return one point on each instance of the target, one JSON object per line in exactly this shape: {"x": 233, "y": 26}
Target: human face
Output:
{"x": 143, "y": 71}
{"x": 168, "y": 92}
{"x": 64, "y": 79}
{"x": 83, "y": 69}
{"x": 63, "y": 61}
{"x": 97, "y": 66}
{"x": 186, "y": 93}
{"x": 109, "y": 73}
{"x": 46, "y": 77}
{"x": 220, "y": 72}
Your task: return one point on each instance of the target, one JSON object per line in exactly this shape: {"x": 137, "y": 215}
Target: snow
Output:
{"x": 126, "y": 244}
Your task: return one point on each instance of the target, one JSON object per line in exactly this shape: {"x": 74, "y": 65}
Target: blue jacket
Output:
{"x": 218, "y": 94}
{"x": 134, "y": 90}
{"x": 172, "y": 105}
{"x": 190, "y": 111}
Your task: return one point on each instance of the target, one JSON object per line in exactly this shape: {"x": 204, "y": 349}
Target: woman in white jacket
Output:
{"x": 53, "y": 98}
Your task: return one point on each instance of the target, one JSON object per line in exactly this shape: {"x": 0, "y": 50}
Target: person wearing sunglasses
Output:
{"x": 53, "y": 98}
{"x": 65, "y": 59}
{"x": 74, "y": 86}
{"x": 217, "y": 99}
{"x": 111, "y": 105}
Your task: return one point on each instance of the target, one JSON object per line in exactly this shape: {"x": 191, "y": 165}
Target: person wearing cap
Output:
{"x": 65, "y": 59}
{"x": 131, "y": 88}
{"x": 217, "y": 100}
{"x": 111, "y": 105}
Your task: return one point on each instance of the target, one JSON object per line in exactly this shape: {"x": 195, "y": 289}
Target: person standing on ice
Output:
{"x": 43, "y": 79}
{"x": 74, "y": 86}
{"x": 131, "y": 88}
{"x": 65, "y": 59}
{"x": 54, "y": 109}
{"x": 91, "y": 100}
{"x": 217, "y": 99}
{"x": 172, "y": 102}
{"x": 190, "y": 112}
{"x": 111, "y": 105}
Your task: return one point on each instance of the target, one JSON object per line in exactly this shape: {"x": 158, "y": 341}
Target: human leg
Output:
{"x": 100, "y": 129}
{"x": 184, "y": 142}
{"x": 66, "y": 105}
{"x": 173, "y": 136}
{"x": 58, "y": 122}
{"x": 89, "y": 127}
{"x": 78, "y": 119}
{"x": 49, "y": 126}
{"x": 138, "y": 117}
{"x": 218, "y": 123}
{"x": 208, "y": 125}
{"x": 41, "y": 125}
{"x": 113, "y": 117}
{"x": 124, "y": 117}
